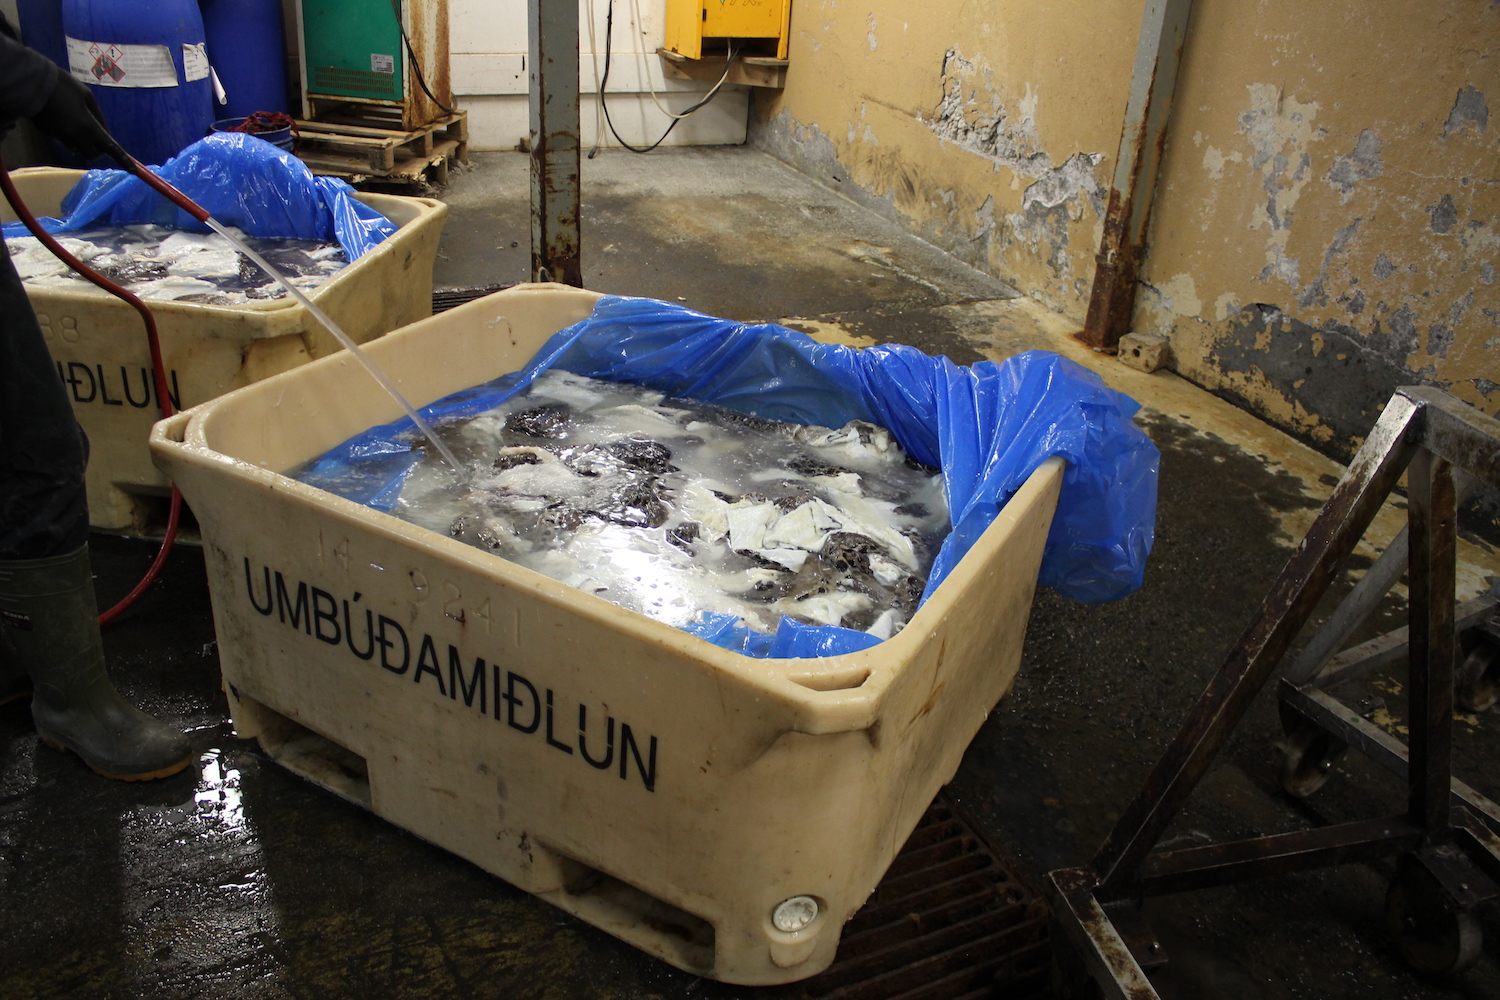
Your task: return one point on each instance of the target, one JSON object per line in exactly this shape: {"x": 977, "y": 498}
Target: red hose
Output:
{"x": 166, "y": 190}
{"x": 158, "y": 370}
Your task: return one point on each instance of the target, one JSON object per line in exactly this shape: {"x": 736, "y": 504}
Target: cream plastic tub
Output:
{"x": 670, "y": 792}
{"x": 99, "y": 344}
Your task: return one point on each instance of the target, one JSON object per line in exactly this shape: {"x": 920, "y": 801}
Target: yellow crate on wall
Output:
{"x": 689, "y": 22}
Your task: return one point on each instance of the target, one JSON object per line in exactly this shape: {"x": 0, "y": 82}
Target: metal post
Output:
{"x": 1311, "y": 663}
{"x": 1351, "y": 613}
{"x": 1158, "y": 54}
{"x": 553, "y": 32}
{"x": 1431, "y": 517}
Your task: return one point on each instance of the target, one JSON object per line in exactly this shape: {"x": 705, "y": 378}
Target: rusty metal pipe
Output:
{"x": 1143, "y": 138}
{"x": 552, "y": 30}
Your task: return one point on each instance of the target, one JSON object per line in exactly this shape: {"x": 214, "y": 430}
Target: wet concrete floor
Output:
{"x": 237, "y": 879}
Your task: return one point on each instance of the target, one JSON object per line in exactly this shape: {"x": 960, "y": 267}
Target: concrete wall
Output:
{"x": 1327, "y": 225}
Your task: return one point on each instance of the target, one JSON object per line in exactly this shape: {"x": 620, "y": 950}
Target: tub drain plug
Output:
{"x": 794, "y": 914}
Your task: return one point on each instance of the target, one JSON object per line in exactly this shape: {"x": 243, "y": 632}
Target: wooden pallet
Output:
{"x": 356, "y": 147}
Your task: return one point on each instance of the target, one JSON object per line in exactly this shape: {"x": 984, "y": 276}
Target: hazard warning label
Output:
{"x": 108, "y": 64}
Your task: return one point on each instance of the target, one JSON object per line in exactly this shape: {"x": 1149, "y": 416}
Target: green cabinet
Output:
{"x": 353, "y": 54}
{"x": 352, "y": 48}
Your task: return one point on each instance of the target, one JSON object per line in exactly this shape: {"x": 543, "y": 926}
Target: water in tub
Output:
{"x": 159, "y": 263}
{"x": 672, "y": 507}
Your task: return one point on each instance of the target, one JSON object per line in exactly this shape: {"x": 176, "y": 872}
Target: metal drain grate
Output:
{"x": 949, "y": 921}
{"x": 444, "y": 299}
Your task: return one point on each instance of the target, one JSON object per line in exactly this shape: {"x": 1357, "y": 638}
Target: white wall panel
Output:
{"x": 501, "y": 122}
{"x": 488, "y": 43}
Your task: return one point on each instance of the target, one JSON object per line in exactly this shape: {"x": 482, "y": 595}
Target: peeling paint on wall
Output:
{"x": 1469, "y": 111}
{"x": 988, "y": 127}
{"x": 1070, "y": 184}
{"x": 972, "y": 115}
{"x": 1360, "y": 164}
{"x": 1317, "y": 293}
{"x": 1322, "y": 352}
{"x": 1323, "y": 205}
{"x": 1213, "y": 162}
{"x": 1279, "y": 131}
{"x": 1056, "y": 198}
{"x": 1326, "y": 385}
{"x": 1161, "y": 306}
{"x": 1443, "y": 215}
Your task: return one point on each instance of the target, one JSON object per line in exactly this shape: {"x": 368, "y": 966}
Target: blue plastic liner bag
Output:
{"x": 242, "y": 181}
{"x": 987, "y": 426}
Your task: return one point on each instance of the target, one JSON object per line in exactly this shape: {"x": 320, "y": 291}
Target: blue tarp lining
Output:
{"x": 988, "y": 426}
{"x": 242, "y": 181}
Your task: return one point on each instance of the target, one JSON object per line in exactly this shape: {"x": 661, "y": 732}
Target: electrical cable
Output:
{"x": 609, "y": 23}
{"x": 635, "y": 7}
{"x": 411, "y": 57}
{"x": 158, "y": 369}
{"x": 598, "y": 89}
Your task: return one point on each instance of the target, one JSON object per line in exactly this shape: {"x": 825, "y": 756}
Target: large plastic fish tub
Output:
{"x": 99, "y": 344}
{"x": 668, "y": 791}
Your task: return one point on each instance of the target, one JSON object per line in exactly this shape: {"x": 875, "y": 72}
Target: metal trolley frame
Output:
{"x": 1447, "y": 837}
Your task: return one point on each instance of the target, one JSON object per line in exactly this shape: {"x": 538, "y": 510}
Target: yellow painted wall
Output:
{"x": 976, "y": 122}
{"x": 1327, "y": 223}
{"x": 1329, "y": 219}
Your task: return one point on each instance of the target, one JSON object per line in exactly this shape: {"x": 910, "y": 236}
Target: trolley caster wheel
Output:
{"x": 1308, "y": 753}
{"x": 1476, "y": 682}
{"x": 1433, "y": 935}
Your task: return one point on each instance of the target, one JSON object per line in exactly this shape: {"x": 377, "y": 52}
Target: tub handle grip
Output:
{"x": 172, "y": 430}
{"x": 825, "y": 713}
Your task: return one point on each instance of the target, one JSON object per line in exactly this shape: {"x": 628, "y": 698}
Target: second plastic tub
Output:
{"x": 99, "y": 345}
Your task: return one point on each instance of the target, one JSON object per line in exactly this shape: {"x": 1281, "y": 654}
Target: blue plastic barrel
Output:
{"x": 146, "y": 62}
{"x": 42, "y": 29}
{"x": 248, "y": 50}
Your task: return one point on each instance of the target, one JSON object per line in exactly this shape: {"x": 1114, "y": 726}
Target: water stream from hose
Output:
{"x": 343, "y": 338}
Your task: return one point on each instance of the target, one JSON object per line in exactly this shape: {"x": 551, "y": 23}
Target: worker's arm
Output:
{"x": 32, "y": 87}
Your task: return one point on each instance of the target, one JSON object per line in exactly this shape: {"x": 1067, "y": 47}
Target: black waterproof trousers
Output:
{"x": 43, "y": 507}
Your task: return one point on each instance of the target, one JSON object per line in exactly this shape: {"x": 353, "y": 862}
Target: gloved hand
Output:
{"x": 72, "y": 116}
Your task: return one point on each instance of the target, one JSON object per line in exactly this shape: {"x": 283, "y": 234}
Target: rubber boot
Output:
{"x": 50, "y": 621}
{"x": 14, "y": 684}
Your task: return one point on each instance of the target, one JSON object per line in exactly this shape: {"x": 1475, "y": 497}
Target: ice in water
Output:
{"x": 160, "y": 263}
{"x": 672, "y": 507}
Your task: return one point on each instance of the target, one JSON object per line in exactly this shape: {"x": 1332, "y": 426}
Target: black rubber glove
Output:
{"x": 72, "y": 116}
